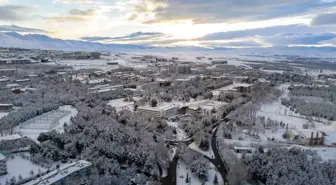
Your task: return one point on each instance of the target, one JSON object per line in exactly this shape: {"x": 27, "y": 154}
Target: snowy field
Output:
{"x": 183, "y": 170}
{"x": 119, "y": 104}
{"x": 19, "y": 166}
{"x": 87, "y": 64}
{"x": 34, "y": 133}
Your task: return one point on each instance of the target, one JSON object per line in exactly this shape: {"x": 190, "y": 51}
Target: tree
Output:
{"x": 154, "y": 102}
{"x": 12, "y": 181}
{"x": 31, "y": 172}
{"x": 20, "y": 177}
{"x": 187, "y": 180}
{"x": 215, "y": 182}
{"x": 238, "y": 173}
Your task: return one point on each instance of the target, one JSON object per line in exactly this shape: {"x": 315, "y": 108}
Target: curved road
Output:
{"x": 170, "y": 179}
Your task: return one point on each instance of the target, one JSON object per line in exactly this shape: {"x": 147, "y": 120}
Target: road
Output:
{"x": 170, "y": 179}
{"x": 221, "y": 165}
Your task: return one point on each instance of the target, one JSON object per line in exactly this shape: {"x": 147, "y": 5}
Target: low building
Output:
{"x": 20, "y": 61}
{"x": 310, "y": 137}
{"x": 64, "y": 175}
{"x": 22, "y": 81}
{"x": 12, "y": 86}
{"x": 216, "y": 62}
{"x": 164, "y": 111}
{"x": 7, "y": 72}
{"x": 107, "y": 89}
{"x": 4, "y": 80}
{"x": 204, "y": 108}
{"x": 3, "y": 164}
{"x": 5, "y": 107}
{"x": 242, "y": 150}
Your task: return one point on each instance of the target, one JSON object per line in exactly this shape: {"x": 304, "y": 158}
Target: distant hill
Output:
{"x": 37, "y": 41}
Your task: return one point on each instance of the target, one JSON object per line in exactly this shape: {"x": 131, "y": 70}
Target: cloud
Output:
{"x": 14, "y": 28}
{"x": 87, "y": 2}
{"x": 75, "y": 15}
{"x": 214, "y": 11}
{"x": 137, "y": 36}
{"x": 324, "y": 19}
{"x": 14, "y": 12}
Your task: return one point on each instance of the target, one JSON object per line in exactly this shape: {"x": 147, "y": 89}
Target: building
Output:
{"x": 79, "y": 55}
{"x": 204, "y": 108}
{"x": 243, "y": 89}
{"x": 95, "y": 55}
{"x": 4, "y": 81}
{"x": 242, "y": 150}
{"x": 183, "y": 69}
{"x": 64, "y": 175}
{"x": 310, "y": 137}
{"x": 164, "y": 111}
{"x": 6, "y": 107}
{"x": 22, "y": 81}
{"x": 216, "y": 62}
{"x": 7, "y": 72}
{"x": 106, "y": 89}
{"x": 3, "y": 164}
{"x": 12, "y": 86}
{"x": 20, "y": 61}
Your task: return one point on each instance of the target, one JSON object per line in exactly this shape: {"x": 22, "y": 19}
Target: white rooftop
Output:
{"x": 59, "y": 174}
{"x": 10, "y": 137}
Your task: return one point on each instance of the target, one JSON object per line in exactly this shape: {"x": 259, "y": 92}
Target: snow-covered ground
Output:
{"x": 208, "y": 153}
{"x": 180, "y": 134}
{"x": 182, "y": 171}
{"x": 18, "y": 166}
{"x": 34, "y": 133}
{"x": 119, "y": 104}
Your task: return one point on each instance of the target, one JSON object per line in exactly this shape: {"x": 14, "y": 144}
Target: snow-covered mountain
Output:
{"x": 37, "y": 41}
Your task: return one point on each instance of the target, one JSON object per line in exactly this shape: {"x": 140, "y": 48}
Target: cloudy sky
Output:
{"x": 206, "y": 23}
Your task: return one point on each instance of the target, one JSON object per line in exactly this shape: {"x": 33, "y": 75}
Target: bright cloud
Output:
{"x": 206, "y": 23}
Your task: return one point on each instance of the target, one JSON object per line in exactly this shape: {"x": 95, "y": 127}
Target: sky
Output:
{"x": 205, "y": 23}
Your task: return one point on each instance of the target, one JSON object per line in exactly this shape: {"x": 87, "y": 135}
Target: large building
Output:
{"x": 64, "y": 175}
{"x": 183, "y": 69}
{"x": 7, "y": 72}
{"x": 79, "y": 55}
{"x": 5, "y": 107}
{"x": 164, "y": 111}
{"x": 3, "y": 165}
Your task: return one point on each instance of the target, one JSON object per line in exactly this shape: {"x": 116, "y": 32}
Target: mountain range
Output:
{"x": 38, "y": 41}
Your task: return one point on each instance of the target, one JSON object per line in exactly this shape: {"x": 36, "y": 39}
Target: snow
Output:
{"x": 119, "y": 104}
{"x": 181, "y": 135}
{"x": 19, "y": 166}
{"x": 183, "y": 170}
{"x": 208, "y": 153}
{"x": 326, "y": 153}
{"x": 32, "y": 129}
{"x": 10, "y": 137}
